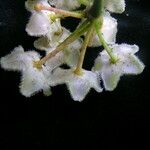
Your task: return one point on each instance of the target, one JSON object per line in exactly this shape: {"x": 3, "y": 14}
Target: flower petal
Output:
{"x": 79, "y": 86}
{"x": 38, "y": 24}
{"x": 93, "y": 79}
{"x": 125, "y": 49}
{"x": 18, "y": 59}
{"x": 12, "y": 60}
{"x": 32, "y": 82}
{"x": 116, "y": 6}
{"x": 78, "y": 89}
{"x": 110, "y": 78}
{"x": 133, "y": 65}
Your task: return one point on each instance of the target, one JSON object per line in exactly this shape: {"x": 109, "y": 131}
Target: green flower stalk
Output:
{"x": 97, "y": 9}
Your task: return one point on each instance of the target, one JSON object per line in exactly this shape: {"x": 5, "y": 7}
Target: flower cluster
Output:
{"x": 97, "y": 28}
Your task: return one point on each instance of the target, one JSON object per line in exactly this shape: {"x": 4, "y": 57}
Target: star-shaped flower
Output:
{"x": 32, "y": 80}
{"x": 127, "y": 63}
{"x": 41, "y": 24}
{"x": 115, "y": 6}
{"x": 78, "y": 86}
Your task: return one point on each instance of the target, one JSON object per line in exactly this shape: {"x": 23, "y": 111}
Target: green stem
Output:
{"x": 78, "y": 69}
{"x": 97, "y": 9}
{"x": 113, "y": 58}
{"x": 75, "y": 35}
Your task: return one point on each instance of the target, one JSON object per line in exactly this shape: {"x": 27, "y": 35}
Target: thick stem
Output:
{"x": 96, "y": 9}
{"x": 39, "y": 7}
{"x": 75, "y": 35}
{"x": 78, "y": 69}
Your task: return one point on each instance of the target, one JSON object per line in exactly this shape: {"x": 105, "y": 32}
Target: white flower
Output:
{"x": 68, "y": 56}
{"x": 109, "y": 31}
{"x": 116, "y": 6}
{"x": 78, "y": 86}
{"x": 41, "y": 22}
{"x": 33, "y": 80}
{"x": 127, "y": 63}
{"x": 66, "y": 4}
{"x": 38, "y": 25}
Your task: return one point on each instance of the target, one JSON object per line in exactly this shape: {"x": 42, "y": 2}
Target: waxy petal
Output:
{"x": 38, "y": 25}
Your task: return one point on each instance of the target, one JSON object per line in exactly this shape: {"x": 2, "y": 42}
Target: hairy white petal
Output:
{"x": 79, "y": 86}
{"x": 38, "y": 24}
{"x": 109, "y": 28}
{"x": 116, "y": 6}
{"x": 11, "y": 61}
{"x": 18, "y": 59}
{"x": 78, "y": 89}
{"x": 125, "y": 49}
{"x": 109, "y": 31}
{"x": 32, "y": 82}
{"x": 110, "y": 78}
{"x": 133, "y": 65}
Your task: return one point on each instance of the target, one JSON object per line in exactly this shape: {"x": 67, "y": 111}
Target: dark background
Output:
{"x": 102, "y": 121}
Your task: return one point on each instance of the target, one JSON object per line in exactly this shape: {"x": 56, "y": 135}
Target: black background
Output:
{"x": 102, "y": 121}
